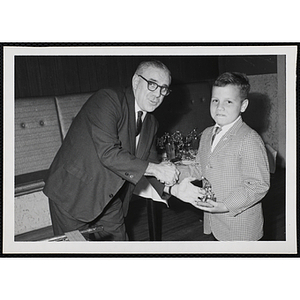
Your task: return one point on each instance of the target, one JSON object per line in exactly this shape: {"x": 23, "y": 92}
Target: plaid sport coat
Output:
{"x": 238, "y": 170}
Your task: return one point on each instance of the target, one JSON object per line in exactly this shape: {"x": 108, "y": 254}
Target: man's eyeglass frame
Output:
{"x": 149, "y": 82}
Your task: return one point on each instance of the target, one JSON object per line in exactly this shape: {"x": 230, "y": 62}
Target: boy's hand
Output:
{"x": 212, "y": 206}
{"x": 187, "y": 192}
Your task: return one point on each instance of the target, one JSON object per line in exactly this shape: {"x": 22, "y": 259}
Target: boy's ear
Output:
{"x": 244, "y": 105}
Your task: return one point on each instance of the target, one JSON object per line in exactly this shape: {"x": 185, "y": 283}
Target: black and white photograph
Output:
{"x": 150, "y": 150}
{"x": 142, "y": 149}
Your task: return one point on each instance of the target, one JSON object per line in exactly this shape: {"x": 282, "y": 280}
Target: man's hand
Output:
{"x": 165, "y": 172}
{"x": 187, "y": 192}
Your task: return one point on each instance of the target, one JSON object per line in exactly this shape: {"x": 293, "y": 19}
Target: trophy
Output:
{"x": 206, "y": 185}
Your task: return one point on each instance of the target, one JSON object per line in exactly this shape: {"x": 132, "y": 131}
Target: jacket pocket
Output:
{"x": 78, "y": 173}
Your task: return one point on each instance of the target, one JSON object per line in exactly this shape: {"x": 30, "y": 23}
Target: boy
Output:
{"x": 235, "y": 162}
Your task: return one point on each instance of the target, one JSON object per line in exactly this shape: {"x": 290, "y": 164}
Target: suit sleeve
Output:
{"x": 255, "y": 176}
{"x": 105, "y": 120}
{"x": 153, "y": 158}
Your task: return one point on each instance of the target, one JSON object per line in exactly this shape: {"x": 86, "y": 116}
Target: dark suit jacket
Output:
{"x": 98, "y": 156}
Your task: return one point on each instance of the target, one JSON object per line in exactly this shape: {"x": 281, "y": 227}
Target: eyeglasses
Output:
{"x": 152, "y": 86}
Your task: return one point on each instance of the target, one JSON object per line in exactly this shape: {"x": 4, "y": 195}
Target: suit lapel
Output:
{"x": 146, "y": 131}
{"x": 227, "y": 137}
{"x": 131, "y": 117}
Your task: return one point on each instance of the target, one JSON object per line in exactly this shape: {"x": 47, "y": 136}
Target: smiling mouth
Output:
{"x": 153, "y": 102}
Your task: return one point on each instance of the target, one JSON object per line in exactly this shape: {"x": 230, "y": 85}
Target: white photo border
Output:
{"x": 289, "y": 246}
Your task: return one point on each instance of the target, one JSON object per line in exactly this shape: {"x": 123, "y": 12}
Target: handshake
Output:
{"x": 165, "y": 172}
{"x": 188, "y": 190}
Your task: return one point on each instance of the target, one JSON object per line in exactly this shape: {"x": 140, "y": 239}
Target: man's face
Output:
{"x": 226, "y": 104}
{"x": 149, "y": 100}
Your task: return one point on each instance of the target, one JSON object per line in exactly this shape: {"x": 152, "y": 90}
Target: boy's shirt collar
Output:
{"x": 225, "y": 128}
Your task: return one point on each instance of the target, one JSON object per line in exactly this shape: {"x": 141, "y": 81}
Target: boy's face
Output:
{"x": 226, "y": 104}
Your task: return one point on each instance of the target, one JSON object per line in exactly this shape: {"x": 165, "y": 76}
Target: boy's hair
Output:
{"x": 237, "y": 79}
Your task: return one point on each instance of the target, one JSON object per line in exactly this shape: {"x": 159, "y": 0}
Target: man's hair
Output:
{"x": 234, "y": 78}
{"x": 152, "y": 63}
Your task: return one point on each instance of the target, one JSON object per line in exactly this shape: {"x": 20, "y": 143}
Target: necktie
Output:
{"x": 216, "y": 131}
{"x": 139, "y": 123}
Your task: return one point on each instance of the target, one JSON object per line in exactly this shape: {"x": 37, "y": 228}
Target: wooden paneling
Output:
{"x": 49, "y": 81}
{"x": 21, "y": 77}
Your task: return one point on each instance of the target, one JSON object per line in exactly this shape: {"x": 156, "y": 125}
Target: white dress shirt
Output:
{"x": 137, "y": 109}
{"x": 143, "y": 187}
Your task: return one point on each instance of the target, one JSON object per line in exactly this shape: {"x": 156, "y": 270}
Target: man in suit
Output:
{"x": 232, "y": 157}
{"x": 109, "y": 147}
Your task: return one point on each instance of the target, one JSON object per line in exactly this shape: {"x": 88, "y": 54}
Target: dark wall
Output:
{"x": 185, "y": 109}
{"x": 248, "y": 64}
{"x": 60, "y": 75}
{"x": 37, "y": 76}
